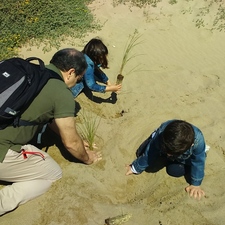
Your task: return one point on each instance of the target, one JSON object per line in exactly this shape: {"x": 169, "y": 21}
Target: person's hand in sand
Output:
{"x": 195, "y": 191}
{"x": 93, "y": 156}
{"x": 86, "y": 145}
{"x": 180, "y": 147}
{"x": 129, "y": 171}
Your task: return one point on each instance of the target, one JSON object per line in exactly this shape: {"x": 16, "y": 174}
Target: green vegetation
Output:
{"x": 217, "y": 21}
{"x": 49, "y": 22}
{"x": 172, "y": 2}
{"x": 138, "y": 3}
{"x": 88, "y": 127}
{"x": 41, "y": 21}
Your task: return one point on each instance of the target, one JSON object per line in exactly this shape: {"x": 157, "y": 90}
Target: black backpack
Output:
{"x": 20, "y": 82}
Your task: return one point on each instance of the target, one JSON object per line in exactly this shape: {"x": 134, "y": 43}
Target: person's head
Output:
{"x": 71, "y": 63}
{"x": 177, "y": 138}
{"x": 97, "y": 52}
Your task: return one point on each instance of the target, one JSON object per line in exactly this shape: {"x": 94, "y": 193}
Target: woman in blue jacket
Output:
{"x": 95, "y": 53}
{"x": 180, "y": 147}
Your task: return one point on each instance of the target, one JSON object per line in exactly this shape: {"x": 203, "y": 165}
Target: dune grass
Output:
{"x": 132, "y": 42}
{"x": 88, "y": 127}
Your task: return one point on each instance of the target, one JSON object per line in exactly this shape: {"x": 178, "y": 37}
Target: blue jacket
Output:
{"x": 195, "y": 156}
{"x": 89, "y": 80}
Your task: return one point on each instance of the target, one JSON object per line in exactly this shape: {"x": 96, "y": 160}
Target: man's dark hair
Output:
{"x": 177, "y": 137}
{"x": 69, "y": 58}
{"x": 97, "y": 52}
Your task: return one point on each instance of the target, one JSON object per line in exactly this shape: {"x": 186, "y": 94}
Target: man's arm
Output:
{"x": 66, "y": 128}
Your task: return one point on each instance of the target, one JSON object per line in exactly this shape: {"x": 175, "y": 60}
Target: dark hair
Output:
{"x": 69, "y": 58}
{"x": 97, "y": 52}
{"x": 177, "y": 137}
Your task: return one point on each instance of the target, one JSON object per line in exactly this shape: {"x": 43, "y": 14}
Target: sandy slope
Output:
{"x": 181, "y": 76}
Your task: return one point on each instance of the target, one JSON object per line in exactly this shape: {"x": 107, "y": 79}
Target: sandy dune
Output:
{"x": 181, "y": 76}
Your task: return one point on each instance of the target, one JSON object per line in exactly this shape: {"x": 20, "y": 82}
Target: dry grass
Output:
{"x": 133, "y": 41}
{"x": 89, "y": 123}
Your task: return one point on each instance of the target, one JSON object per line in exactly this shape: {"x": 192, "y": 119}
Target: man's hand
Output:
{"x": 93, "y": 156}
{"x": 195, "y": 191}
{"x": 86, "y": 145}
{"x": 129, "y": 171}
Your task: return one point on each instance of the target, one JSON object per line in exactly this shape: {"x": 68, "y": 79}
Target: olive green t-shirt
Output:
{"x": 54, "y": 101}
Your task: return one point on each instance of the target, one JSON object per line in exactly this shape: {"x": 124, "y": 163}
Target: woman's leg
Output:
{"x": 31, "y": 176}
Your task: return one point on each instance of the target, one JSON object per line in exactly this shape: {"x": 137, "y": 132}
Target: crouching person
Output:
{"x": 31, "y": 170}
{"x": 180, "y": 147}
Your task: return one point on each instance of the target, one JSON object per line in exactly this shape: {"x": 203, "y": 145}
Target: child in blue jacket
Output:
{"x": 180, "y": 147}
{"x": 95, "y": 53}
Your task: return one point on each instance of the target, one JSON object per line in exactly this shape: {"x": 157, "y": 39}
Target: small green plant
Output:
{"x": 172, "y": 2}
{"x": 88, "y": 127}
{"x": 133, "y": 41}
{"x": 138, "y": 3}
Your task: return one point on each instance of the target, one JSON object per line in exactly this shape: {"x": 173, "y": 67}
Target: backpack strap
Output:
{"x": 41, "y": 63}
{"x": 18, "y": 122}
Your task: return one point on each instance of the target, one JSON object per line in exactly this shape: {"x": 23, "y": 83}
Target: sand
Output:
{"x": 181, "y": 75}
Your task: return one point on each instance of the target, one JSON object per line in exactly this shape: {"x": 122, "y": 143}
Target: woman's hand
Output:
{"x": 108, "y": 83}
{"x": 195, "y": 191}
{"x": 113, "y": 88}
